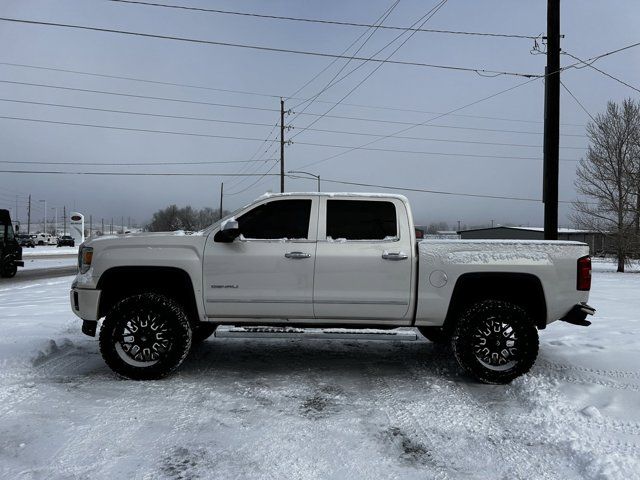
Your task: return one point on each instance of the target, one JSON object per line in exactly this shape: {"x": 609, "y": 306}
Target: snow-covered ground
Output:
{"x": 49, "y": 250}
{"x": 241, "y": 408}
{"x": 31, "y": 263}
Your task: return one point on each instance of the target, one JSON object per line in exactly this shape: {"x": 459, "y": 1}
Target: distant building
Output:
{"x": 443, "y": 235}
{"x": 597, "y": 241}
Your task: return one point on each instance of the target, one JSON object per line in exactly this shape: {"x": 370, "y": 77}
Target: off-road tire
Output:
{"x": 518, "y": 338}
{"x": 144, "y": 312}
{"x": 434, "y": 335}
{"x": 202, "y": 331}
{"x": 8, "y": 268}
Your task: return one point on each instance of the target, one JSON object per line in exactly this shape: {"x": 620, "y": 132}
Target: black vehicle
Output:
{"x": 10, "y": 250}
{"x": 25, "y": 240}
{"x": 66, "y": 241}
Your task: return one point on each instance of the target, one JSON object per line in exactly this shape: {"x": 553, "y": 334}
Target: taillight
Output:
{"x": 584, "y": 273}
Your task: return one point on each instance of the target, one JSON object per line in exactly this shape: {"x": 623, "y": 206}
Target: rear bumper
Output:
{"x": 578, "y": 314}
{"x": 85, "y": 303}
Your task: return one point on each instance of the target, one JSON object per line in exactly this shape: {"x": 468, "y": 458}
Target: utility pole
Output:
{"x": 45, "y": 215}
{"x": 111, "y": 228}
{"x": 17, "y": 216}
{"x": 458, "y": 225}
{"x": 64, "y": 219}
{"x": 551, "y": 122}
{"x": 55, "y": 228}
{"x": 90, "y": 224}
{"x": 281, "y": 145}
{"x": 29, "y": 217}
{"x": 221, "y": 194}
{"x": 102, "y": 229}
{"x": 122, "y": 224}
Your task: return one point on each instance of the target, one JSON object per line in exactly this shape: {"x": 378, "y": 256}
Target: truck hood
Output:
{"x": 149, "y": 239}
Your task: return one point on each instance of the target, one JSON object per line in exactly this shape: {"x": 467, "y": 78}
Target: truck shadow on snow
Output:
{"x": 262, "y": 358}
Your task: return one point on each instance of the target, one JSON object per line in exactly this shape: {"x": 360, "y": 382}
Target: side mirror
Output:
{"x": 228, "y": 233}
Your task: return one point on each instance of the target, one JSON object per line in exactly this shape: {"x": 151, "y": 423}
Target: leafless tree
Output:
{"x": 186, "y": 218}
{"x": 608, "y": 178}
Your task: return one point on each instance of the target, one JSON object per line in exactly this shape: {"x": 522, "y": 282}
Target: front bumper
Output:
{"x": 578, "y": 314}
{"x": 85, "y": 303}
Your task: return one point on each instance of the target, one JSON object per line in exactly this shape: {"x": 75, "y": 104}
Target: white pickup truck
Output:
{"x": 314, "y": 260}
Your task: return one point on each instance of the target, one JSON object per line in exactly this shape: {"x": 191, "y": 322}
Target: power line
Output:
{"x": 602, "y": 55}
{"x": 146, "y": 97}
{"x": 258, "y": 94}
{"x": 331, "y": 83}
{"x": 271, "y": 149}
{"x": 331, "y": 22}
{"x": 268, "y": 49}
{"x": 378, "y": 22}
{"x": 577, "y": 101}
{"x": 348, "y": 147}
{"x": 421, "y": 152}
{"x": 133, "y": 174}
{"x": 593, "y": 59}
{"x": 133, "y": 163}
{"x": 341, "y": 117}
{"x": 436, "y": 125}
{"x": 126, "y": 129}
{"x": 444, "y": 140}
{"x": 136, "y": 79}
{"x": 590, "y": 64}
{"x": 342, "y": 182}
{"x": 438, "y": 192}
{"x": 260, "y": 179}
{"x": 130, "y": 112}
{"x": 423, "y": 20}
{"x": 423, "y": 123}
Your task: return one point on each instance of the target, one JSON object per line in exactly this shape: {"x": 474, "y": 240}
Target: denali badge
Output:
{"x": 224, "y": 286}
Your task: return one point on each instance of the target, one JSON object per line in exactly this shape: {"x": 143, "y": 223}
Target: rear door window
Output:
{"x": 361, "y": 220}
{"x": 280, "y": 219}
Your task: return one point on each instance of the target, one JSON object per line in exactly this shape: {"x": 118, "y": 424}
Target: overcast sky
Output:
{"x": 590, "y": 27}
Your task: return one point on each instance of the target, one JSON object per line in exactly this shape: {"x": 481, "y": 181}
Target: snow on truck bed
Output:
{"x": 247, "y": 408}
{"x": 506, "y": 252}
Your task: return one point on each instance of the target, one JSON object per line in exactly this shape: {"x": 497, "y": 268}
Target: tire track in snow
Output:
{"x": 593, "y": 371}
{"x": 457, "y": 407}
{"x": 598, "y": 455}
{"x": 563, "y": 377}
{"x": 399, "y": 415}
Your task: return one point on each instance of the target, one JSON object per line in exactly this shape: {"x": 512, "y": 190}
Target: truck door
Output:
{"x": 267, "y": 272}
{"x": 364, "y": 260}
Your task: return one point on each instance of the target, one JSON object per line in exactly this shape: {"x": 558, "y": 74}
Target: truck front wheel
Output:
{"x": 8, "y": 267}
{"x": 495, "y": 341}
{"x": 145, "y": 336}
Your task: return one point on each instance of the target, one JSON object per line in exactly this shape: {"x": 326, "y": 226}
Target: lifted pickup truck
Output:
{"x": 326, "y": 260}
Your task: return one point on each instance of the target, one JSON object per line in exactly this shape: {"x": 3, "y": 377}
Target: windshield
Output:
{"x": 6, "y": 233}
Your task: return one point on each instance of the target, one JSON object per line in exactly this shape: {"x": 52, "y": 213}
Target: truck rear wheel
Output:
{"x": 495, "y": 341}
{"x": 145, "y": 336}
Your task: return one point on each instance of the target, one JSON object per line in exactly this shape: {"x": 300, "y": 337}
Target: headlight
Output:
{"x": 85, "y": 256}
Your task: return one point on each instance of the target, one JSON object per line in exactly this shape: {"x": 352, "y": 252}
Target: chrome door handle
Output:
{"x": 297, "y": 255}
{"x": 395, "y": 256}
